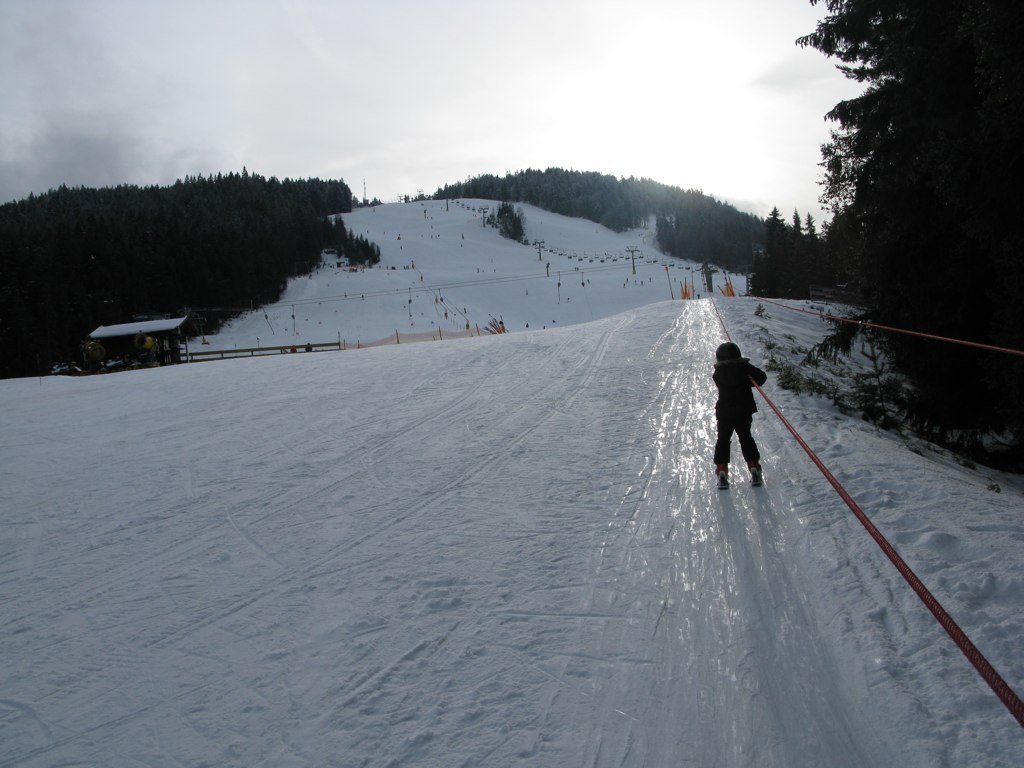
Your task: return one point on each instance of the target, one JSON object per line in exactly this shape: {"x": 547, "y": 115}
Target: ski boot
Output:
{"x": 756, "y": 477}
{"x": 722, "y": 475}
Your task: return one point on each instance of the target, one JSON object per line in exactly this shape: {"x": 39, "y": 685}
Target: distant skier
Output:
{"x": 735, "y": 410}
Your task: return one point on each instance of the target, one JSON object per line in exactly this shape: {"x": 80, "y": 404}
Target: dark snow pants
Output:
{"x": 741, "y": 426}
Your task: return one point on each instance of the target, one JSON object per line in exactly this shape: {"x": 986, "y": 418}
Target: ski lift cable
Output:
{"x": 430, "y": 288}
{"x": 920, "y": 334}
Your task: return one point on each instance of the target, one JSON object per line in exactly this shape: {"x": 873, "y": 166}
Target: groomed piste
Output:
{"x": 498, "y": 550}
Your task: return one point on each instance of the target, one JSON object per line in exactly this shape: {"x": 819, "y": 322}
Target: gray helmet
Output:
{"x": 727, "y": 351}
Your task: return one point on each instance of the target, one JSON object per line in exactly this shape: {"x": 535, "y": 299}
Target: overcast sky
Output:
{"x": 410, "y": 95}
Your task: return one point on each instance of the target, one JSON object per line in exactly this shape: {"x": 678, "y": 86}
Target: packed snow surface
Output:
{"x": 490, "y": 551}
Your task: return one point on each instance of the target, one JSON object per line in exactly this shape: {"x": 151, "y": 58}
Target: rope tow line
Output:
{"x": 984, "y": 668}
{"x": 866, "y": 324}
{"x": 981, "y": 664}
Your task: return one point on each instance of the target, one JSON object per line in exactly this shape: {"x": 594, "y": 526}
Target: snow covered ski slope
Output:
{"x": 441, "y": 269}
{"x": 494, "y": 551}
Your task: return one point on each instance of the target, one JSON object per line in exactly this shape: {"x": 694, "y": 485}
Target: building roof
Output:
{"x": 143, "y": 326}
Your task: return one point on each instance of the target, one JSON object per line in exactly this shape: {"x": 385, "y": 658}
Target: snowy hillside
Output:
{"x": 493, "y": 551}
{"x": 442, "y": 270}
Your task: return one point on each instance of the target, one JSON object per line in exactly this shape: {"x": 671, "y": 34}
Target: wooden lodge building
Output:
{"x": 140, "y": 343}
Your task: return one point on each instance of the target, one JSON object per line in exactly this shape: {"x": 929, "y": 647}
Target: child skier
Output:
{"x": 735, "y": 410}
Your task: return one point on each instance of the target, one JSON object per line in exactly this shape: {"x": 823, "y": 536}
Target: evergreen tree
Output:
{"x": 922, "y": 174}
{"x": 772, "y": 266}
{"x": 510, "y": 222}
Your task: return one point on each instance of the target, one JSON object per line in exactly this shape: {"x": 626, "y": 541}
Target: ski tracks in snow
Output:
{"x": 449, "y": 576}
{"x": 694, "y": 583}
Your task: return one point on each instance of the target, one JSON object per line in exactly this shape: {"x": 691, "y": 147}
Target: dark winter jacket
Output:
{"x": 735, "y": 392}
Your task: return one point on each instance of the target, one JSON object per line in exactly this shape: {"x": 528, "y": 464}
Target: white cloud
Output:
{"x": 413, "y": 95}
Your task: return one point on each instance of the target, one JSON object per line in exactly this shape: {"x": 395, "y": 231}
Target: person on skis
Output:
{"x": 735, "y": 377}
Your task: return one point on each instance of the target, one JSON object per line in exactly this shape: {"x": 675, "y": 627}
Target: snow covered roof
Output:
{"x": 142, "y": 326}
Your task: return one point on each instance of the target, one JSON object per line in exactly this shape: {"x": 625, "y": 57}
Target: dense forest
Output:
{"x": 921, "y": 175}
{"x": 74, "y": 259}
{"x": 689, "y": 224}
{"x": 794, "y": 259}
